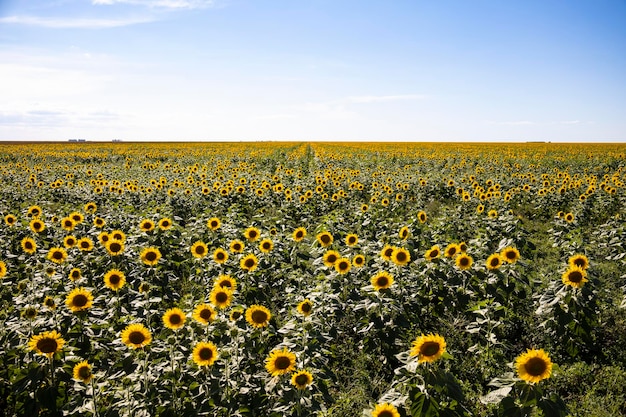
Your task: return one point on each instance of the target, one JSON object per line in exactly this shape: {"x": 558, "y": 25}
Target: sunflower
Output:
{"x": 433, "y": 253}
{"x": 85, "y": 244}
{"x": 258, "y": 316}
{"x": 174, "y": 318}
{"x": 115, "y": 247}
{"x": 77, "y": 217}
{"x": 428, "y": 348}
{"x": 382, "y": 281}
{"x": 57, "y": 255}
{"x": 150, "y": 256}
{"x": 68, "y": 224}
{"x": 301, "y": 379}
{"x": 280, "y": 362}
{"x": 575, "y": 277}
{"x": 343, "y": 265}
{"x": 386, "y": 252}
{"x": 114, "y": 279}
{"x": 400, "y": 256}
{"x": 325, "y": 239}
{"x": 220, "y": 256}
{"x": 494, "y": 261}
{"x": 213, "y": 223}
{"x": 37, "y": 225}
{"x": 165, "y": 223}
{"x": 221, "y": 297}
{"x": 299, "y": 234}
{"x": 358, "y": 261}
{"x": 199, "y": 249}
{"x": 90, "y": 207}
{"x": 352, "y": 239}
{"x": 403, "y": 233}
{"x": 421, "y": 216}
{"x": 204, "y": 314}
{"x": 204, "y": 353}
{"x": 579, "y": 260}
{"x": 330, "y": 257}
{"x": 464, "y": 261}
{"x": 266, "y": 245}
{"x": 252, "y": 234}
{"x": 99, "y": 222}
{"x": 236, "y": 314}
{"x": 249, "y": 262}
{"x": 136, "y": 336}
{"x": 569, "y": 217}
{"x": 34, "y": 211}
{"x": 492, "y": 214}
{"x": 10, "y": 219}
{"x": 533, "y": 366}
{"x": 451, "y": 250}
{"x": 385, "y": 410}
{"x": 236, "y": 246}
{"x": 226, "y": 281}
{"x": 305, "y": 307}
{"x": 79, "y": 300}
{"x": 463, "y": 247}
{"x": 28, "y": 245}
{"x": 75, "y": 274}
{"x": 82, "y": 372}
{"x": 118, "y": 235}
{"x": 146, "y": 225}
{"x": 46, "y": 343}
{"x": 49, "y": 302}
{"x": 510, "y": 254}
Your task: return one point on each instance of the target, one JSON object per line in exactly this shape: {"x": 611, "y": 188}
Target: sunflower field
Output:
{"x": 312, "y": 279}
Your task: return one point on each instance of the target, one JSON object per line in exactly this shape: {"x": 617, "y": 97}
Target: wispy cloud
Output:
{"x": 161, "y": 4}
{"x": 512, "y": 123}
{"x": 378, "y": 99}
{"x": 72, "y": 23}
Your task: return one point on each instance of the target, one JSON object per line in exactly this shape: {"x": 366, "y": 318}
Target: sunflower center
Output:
{"x": 429, "y": 348}
{"x": 464, "y": 261}
{"x": 535, "y": 366}
{"x": 221, "y": 297}
{"x": 84, "y": 372}
{"x": 205, "y": 314}
{"x": 434, "y": 253}
{"x": 343, "y": 265}
{"x": 151, "y": 256}
{"x": 80, "y": 300}
{"x": 84, "y": 245}
{"x": 495, "y": 262}
{"x": 205, "y": 354}
{"x": 237, "y": 247}
{"x": 382, "y": 281}
{"x": 259, "y": 316}
{"x": 28, "y": 245}
{"x": 575, "y": 276}
{"x": 302, "y": 379}
{"x": 252, "y": 235}
{"x": 332, "y": 259}
{"x": 219, "y": 255}
{"x": 115, "y": 279}
{"x": 580, "y": 263}
{"x": 388, "y": 252}
{"x": 117, "y": 236}
{"x": 75, "y": 274}
{"x": 266, "y": 246}
{"x": 57, "y": 255}
{"x": 199, "y": 250}
{"x": 115, "y": 247}
{"x": 325, "y": 239}
{"x": 249, "y": 263}
{"x": 385, "y": 413}
{"x": 165, "y": 223}
{"x": 47, "y": 345}
{"x": 214, "y": 224}
{"x": 175, "y": 319}
{"x": 401, "y": 256}
{"x": 282, "y": 362}
{"x": 136, "y": 338}
{"x": 298, "y": 235}
{"x": 306, "y": 307}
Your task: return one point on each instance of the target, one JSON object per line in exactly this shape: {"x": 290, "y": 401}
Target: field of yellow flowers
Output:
{"x": 312, "y": 279}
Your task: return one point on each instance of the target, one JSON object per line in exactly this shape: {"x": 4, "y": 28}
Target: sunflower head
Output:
{"x": 204, "y": 314}
{"x": 221, "y": 297}
{"x": 579, "y": 260}
{"x": 343, "y": 265}
{"x": 352, "y": 239}
{"x": 146, "y": 225}
{"x": 464, "y": 261}
{"x": 385, "y": 410}
{"x": 403, "y": 233}
{"x": 37, "y": 225}
{"x": 114, "y": 279}
{"x": 10, "y": 219}
{"x": 46, "y": 343}
{"x": 150, "y": 256}
{"x": 266, "y": 245}
{"x": 574, "y": 277}
{"x": 258, "y": 316}
{"x": 226, "y": 281}
{"x": 165, "y": 223}
{"x": 249, "y": 262}
{"x": 433, "y": 253}
{"x": 305, "y": 307}
{"x": 533, "y": 365}
{"x": 199, "y": 249}
{"x": 494, "y": 261}
{"x": 213, "y": 223}
{"x": 428, "y": 348}
{"x": 301, "y": 379}
{"x": 82, "y": 372}
{"x": 136, "y": 336}
{"x": 299, "y": 234}
{"x": 330, "y": 258}
{"x": 325, "y": 239}
{"x": 174, "y": 318}
{"x": 280, "y": 362}
{"x": 358, "y": 261}
{"x": 115, "y": 247}
{"x": 236, "y": 246}
{"x": 79, "y": 300}
{"x": 252, "y": 234}
{"x": 85, "y": 244}
{"x": 510, "y": 254}
{"x": 422, "y": 217}
{"x": 386, "y": 252}
{"x": 204, "y": 353}
{"x": 75, "y": 274}
{"x": 400, "y": 256}
{"x": 382, "y": 281}
{"x": 220, "y": 256}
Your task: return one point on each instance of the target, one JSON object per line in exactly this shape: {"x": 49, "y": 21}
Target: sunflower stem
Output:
{"x": 94, "y": 398}
{"x": 173, "y": 362}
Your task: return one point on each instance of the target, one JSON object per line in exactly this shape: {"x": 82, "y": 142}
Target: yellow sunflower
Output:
{"x": 204, "y": 353}
{"x": 330, "y": 257}
{"x": 37, "y": 225}
{"x": 103, "y": 238}
{"x": 213, "y": 223}
{"x": 90, "y": 207}
{"x": 569, "y": 217}
{"x": 114, "y": 279}
{"x": 325, "y": 239}
{"x": 464, "y": 261}
{"x": 220, "y": 256}
{"x": 226, "y": 281}
{"x": 77, "y": 217}
{"x": 385, "y": 410}
{"x": 82, "y": 372}
{"x": 34, "y": 211}
{"x": 46, "y": 343}
{"x": 299, "y": 234}
{"x": 358, "y": 261}
{"x": 79, "y": 299}
{"x": 236, "y": 246}
{"x": 68, "y": 224}
{"x": 494, "y": 261}
{"x": 579, "y": 260}
{"x": 252, "y": 234}
{"x": 258, "y": 316}
{"x": 533, "y": 366}
{"x": 115, "y": 247}
{"x": 99, "y": 222}
{"x": 10, "y": 220}
{"x": 433, "y": 253}
{"x": 118, "y": 235}
{"x": 221, "y": 297}
{"x": 266, "y": 245}
{"x": 249, "y": 262}
{"x": 174, "y": 318}
{"x": 280, "y": 362}
{"x": 204, "y": 313}
{"x": 403, "y": 233}
{"x": 451, "y": 250}
{"x": 352, "y": 239}
{"x": 236, "y": 314}
{"x": 28, "y": 245}
{"x": 574, "y": 277}
{"x": 400, "y": 256}
{"x": 382, "y": 281}
{"x": 386, "y": 252}
{"x": 150, "y": 256}
{"x": 301, "y": 379}
{"x": 165, "y": 223}
{"x": 199, "y": 249}
{"x": 510, "y": 254}
{"x": 75, "y": 274}
{"x": 146, "y": 225}
{"x": 428, "y": 348}
{"x": 136, "y": 336}
{"x": 57, "y": 255}
{"x": 49, "y": 302}
{"x": 305, "y": 307}
{"x": 422, "y": 217}
{"x": 343, "y": 265}
{"x": 85, "y": 244}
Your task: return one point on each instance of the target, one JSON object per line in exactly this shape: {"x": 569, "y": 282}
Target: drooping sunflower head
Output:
{"x": 79, "y": 299}
{"x": 214, "y": 223}
{"x": 249, "y": 262}
{"x": 46, "y": 343}
{"x": 494, "y": 261}
{"x": 199, "y": 249}
{"x": 174, "y": 318}
{"x": 236, "y": 314}
{"x": 574, "y": 277}
{"x": 510, "y": 254}
{"x": 330, "y": 257}
{"x": 221, "y": 297}
{"x": 280, "y": 362}
{"x": 220, "y": 256}
{"x": 305, "y": 307}
{"x": 325, "y": 239}
{"x": 204, "y": 353}
{"x": 28, "y": 245}
{"x": 226, "y": 281}
{"x": 252, "y": 234}
{"x": 136, "y": 336}
{"x": 266, "y": 245}
{"x": 400, "y": 256}
{"x": 115, "y": 247}
{"x": 433, "y": 253}
{"x": 533, "y": 365}
{"x": 236, "y": 246}
{"x": 382, "y": 281}
{"x": 49, "y": 302}
{"x": 114, "y": 279}
{"x": 343, "y": 265}
{"x": 150, "y": 256}
{"x": 57, "y": 255}
{"x": 464, "y": 261}
{"x": 299, "y": 234}
{"x": 579, "y": 260}
{"x": 301, "y": 379}
{"x": 428, "y": 348}
{"x": 258, "y": 316}
{"x": 146, "y": 225}
{"x": 82, "y": 372}
{"x": 204, "y": 314}
{"x": 385, "y": 410}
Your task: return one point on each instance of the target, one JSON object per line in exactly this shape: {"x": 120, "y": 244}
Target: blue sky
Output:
{"x": 440, "y": 70}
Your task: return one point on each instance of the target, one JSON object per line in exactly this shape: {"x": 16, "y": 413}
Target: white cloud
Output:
{"x": 378, "y": 99}
{"x": 160, "y": 4}
{"x": 72, "y": 23}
